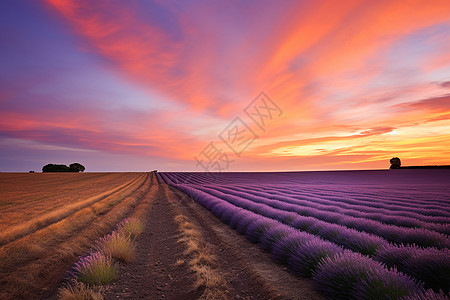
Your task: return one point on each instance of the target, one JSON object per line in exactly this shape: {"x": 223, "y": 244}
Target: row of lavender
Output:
{"x": 436, "y": 218}
{"x": 376, "y": 199}
{"x": 398, "y": 214}
{"x": 307, "y": 242}
{"x": 433, "y": 203}
{"x": 283, "y": 205}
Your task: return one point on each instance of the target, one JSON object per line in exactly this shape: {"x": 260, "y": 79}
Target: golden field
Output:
{"x": 47, "y": 220}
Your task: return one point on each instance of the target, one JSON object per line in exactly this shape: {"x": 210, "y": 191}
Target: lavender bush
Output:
{"x": 430, "y": 265}
{"x": 95, "y": 269}
{"x": 428, "y": 295}
{"x": 350, "y": 275}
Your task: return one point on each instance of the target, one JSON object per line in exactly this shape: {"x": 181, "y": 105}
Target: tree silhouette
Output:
{"x": 395, "y": 163}
{"x": 76, "y": 167}
{"x": 55, "y": 168}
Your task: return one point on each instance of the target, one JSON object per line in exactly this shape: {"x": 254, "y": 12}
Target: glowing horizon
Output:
{"x": 149, "y": 84}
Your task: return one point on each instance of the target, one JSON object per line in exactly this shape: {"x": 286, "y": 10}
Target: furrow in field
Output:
{"x": 350, "y": 238}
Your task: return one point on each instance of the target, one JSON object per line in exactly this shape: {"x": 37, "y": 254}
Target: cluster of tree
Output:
{"x": 75, "y": 167}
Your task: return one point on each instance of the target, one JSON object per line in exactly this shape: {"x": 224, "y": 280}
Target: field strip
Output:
{"x": 348, "y": 200}
{"x": 34, "y": 188}
{"x": 32, "y": 225}
{"x": 67, "y": 239}
{"x": 25, "y": 249}
{"x": 52, "y": 195}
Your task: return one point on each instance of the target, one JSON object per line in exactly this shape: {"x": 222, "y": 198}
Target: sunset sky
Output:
{"x": 143, "y": 85}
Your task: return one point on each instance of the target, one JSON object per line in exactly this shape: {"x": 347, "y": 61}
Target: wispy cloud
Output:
{"x": 445, "y": 84}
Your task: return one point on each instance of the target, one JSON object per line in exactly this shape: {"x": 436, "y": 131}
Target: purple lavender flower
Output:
{"x": 95, "y": 268}
{"x": 305, "y": 258}
{"x": 428, "y": 295}
{"x": 350, "y": 275}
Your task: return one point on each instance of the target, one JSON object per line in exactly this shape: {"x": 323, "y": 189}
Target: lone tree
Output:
{"x": 76, "y": 167}
{"x": 395, "y": 163}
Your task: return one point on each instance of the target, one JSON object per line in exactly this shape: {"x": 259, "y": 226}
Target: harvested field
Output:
{"x": 49, "y": 230}
{"x": 47, "y": 198}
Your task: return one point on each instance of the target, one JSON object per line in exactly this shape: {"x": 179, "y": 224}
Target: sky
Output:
{"x": 224, "y": 85}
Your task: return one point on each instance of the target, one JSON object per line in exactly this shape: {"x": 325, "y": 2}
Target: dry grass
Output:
{"x": 201, "y": 260}
{"x": 76, "y": 290}
{"x": 209, "y": 277}
{"x": 132, "y": 227}
{"x": 192, "y": 246}
{"x": 118, "y": 245}
{"x": 204, "y": 257}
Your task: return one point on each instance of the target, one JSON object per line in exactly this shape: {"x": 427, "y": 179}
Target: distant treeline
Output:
{"x": 397, "y": 164}
{"x": 75, "y": 167}
{"x": 425, "y": 167}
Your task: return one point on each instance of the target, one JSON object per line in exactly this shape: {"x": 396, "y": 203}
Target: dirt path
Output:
{"x": 249, "y": 271}
{"x": 154, "y": 273}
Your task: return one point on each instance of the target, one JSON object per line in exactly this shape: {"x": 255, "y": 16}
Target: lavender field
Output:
{"x": 357, "y": 234}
